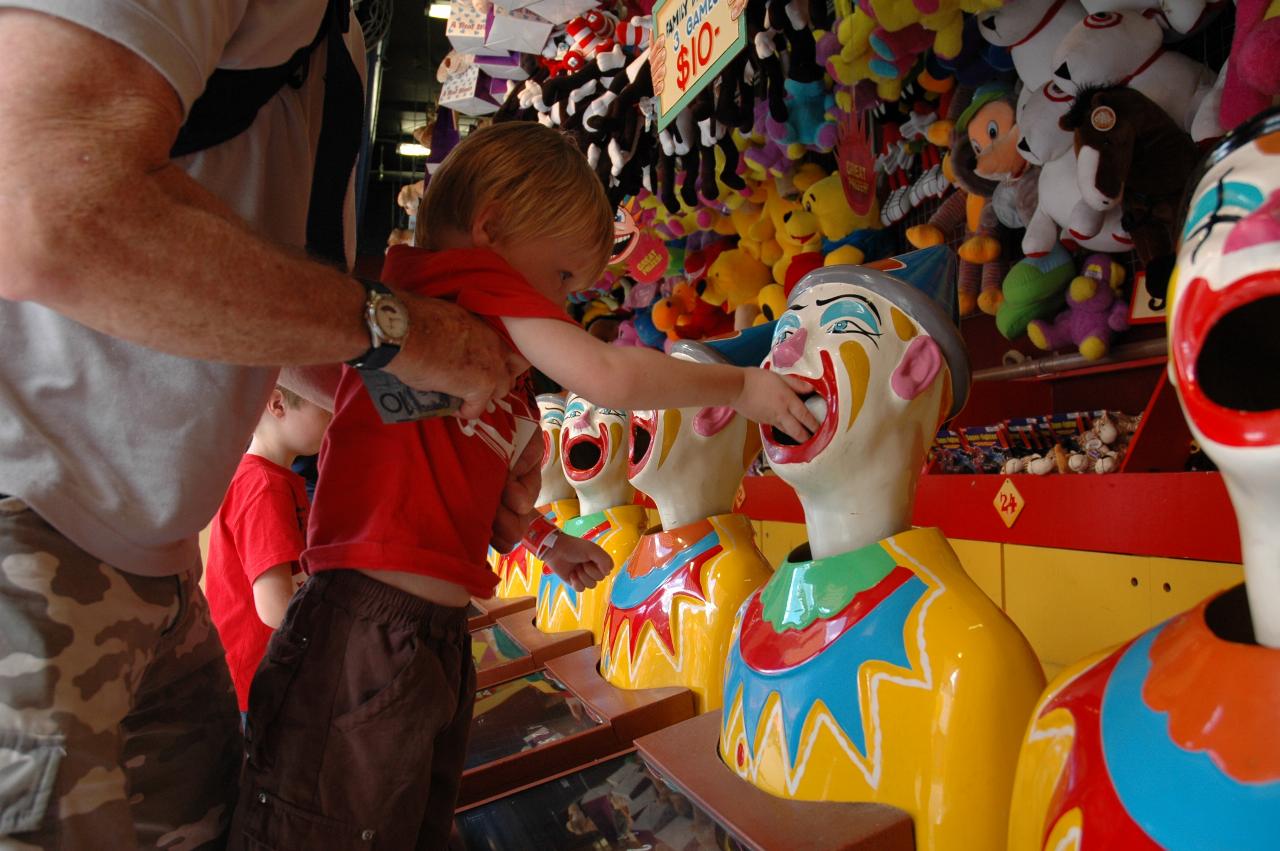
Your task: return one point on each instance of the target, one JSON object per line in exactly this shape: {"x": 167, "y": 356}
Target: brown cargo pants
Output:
{"x": 358, "y": 722}
{"x": 118, "y": 723}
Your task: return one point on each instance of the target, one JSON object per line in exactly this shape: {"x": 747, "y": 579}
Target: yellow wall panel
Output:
{"x": 778, "y": 539}
{"x": 1071, "y": 603}
{"x": 982, "y": 561}
{"x": 1179, "y": 584}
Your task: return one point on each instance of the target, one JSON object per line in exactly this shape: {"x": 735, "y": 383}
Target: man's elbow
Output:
{"x": 35, "y": 252}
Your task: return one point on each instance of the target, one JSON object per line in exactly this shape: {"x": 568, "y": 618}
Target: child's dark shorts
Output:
{"x": 358, "y": 721}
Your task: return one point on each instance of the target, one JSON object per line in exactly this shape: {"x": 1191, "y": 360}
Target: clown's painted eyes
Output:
{"x": 787, "y": 326}
{"x": 1209, "y": 210}
{"x": 611, "y": 412}
{"x": 852, "y": 316}
{"x": 849, "y": 326}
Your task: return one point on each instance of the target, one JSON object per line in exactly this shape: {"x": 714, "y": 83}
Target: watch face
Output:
{"x": 391, "y": 318}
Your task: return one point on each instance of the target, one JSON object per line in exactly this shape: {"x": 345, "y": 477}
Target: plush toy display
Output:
{"x": 1132, "y": 155}
{"x": 971, "y": 111}
{"x": 1031, "y": 29}
{"x": 1094, "y": 312}
{"x": 1252, "y": 81}
{"x": 1127, "y": 49}
{"x": 1060, "y": 209}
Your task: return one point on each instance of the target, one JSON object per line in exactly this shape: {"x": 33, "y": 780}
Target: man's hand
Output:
{"x": 658, "y": 63}
{"x": 736, "y": 8}
{"x": 450, "y": 351}
{"x": 518, "y": 497}
{"x": 578, "y": 562}
{"x": 410, "y": 197}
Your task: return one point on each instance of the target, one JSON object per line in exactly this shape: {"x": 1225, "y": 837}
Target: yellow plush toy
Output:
{"x": 735, "y": 278}
{"x": 754, "y": 228}
{"x": 771, "y": 302}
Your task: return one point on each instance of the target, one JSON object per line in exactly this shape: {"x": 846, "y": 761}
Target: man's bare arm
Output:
{"x": 99, "y": 225}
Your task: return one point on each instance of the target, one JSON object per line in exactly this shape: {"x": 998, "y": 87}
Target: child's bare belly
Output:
{"x": 428, "y": 588}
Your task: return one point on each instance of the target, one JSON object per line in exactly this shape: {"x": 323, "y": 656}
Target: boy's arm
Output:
{"x": 642, "y": 379}
{"x": 272, "y": 591}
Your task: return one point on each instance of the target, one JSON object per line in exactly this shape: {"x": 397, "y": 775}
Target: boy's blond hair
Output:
{"x": 292, "y": 400}
{"x": 541, "y": 181}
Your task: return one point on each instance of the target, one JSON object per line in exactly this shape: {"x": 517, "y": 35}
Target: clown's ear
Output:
{"x": 919, "y": 366}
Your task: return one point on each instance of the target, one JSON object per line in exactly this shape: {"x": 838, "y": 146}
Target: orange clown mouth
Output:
{"x": 781, "y": 448}
{"x": 643, "y": 431}
{"x": 584, "y": 454}
{"x": 1224, "y": 350}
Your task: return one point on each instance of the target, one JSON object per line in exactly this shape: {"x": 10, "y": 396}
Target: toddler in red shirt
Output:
{"x": 359, "y": 716}
{"x": 257, "y": 537}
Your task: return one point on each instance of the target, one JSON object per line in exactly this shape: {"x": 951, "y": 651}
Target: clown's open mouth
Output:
{"x": 1237, "y": 366}
{"x": 824, "y": 403}
{"x": 817, "y": 406}
{"x": 584, "y": 456}
{"x": 643, "y": 429}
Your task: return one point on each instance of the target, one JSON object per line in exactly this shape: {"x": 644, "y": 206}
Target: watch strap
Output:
{"x": 379, "y": 353}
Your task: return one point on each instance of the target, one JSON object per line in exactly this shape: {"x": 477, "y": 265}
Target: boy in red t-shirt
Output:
{"x": 360, "y": 712}
{"x": 258, "y": 534}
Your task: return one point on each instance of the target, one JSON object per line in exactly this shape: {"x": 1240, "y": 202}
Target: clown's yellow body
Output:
{"x": 921, "y": 706}
{"x": 560, "y": 608}
{"x": 672, "y": 607}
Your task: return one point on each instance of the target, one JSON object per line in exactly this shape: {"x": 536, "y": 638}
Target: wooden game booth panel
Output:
{"x": 547, "y": 721}
{"x": 686, "y": 757}
{"x": 481, "y": 613}
{"x": 512, "y": 646}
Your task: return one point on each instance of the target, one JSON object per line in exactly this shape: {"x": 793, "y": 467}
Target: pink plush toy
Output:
{"x": 1253, "y": 70}
{"x": 1094, "y": 313}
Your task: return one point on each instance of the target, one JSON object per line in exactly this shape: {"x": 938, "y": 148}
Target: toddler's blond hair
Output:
{"x": 541, "y": 181}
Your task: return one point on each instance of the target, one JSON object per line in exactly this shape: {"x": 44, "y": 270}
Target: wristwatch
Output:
{"x": 388, "y": 321}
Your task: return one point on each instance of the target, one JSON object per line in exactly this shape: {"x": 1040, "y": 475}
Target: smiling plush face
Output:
{"x": 879, "y": 383}
{"x": 1224, "y": 309}
{"x": 993, "y": 135}
{"x": 593, "y": 445}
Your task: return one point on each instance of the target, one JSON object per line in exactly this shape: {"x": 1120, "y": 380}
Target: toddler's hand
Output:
{"x": 770, "y": 399}
{"x": 578, "y": 562}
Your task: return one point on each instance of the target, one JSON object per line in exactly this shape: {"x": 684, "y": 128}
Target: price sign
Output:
{"x": 693, "y": 40}
{"x": 857, "y": 164}
{"x": 1008, "y": 503}
{"x": 1144, "y": 306}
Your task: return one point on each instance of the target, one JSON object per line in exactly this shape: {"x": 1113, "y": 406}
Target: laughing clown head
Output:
{"x": 886, "y": 364}
{"x": 551, "y": 418}
{"x": 1224, "y": 351}
{"x": 593, "y": 451}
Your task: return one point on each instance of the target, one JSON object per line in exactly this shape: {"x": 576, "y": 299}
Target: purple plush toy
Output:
{"x": 1094, "y": 312}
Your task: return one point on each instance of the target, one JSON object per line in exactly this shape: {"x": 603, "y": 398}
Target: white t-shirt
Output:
{"x": 124, "y": 450}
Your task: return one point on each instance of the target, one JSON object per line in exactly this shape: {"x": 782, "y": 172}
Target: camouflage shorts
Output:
{"x": 118, "y": 724}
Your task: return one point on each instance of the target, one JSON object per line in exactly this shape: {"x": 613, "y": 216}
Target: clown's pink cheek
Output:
{"x": 790, "y": 350}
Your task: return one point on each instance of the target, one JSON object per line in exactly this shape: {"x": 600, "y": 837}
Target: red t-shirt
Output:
{"x": 420, "y": 497}
{"x": 262, "y": 523}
